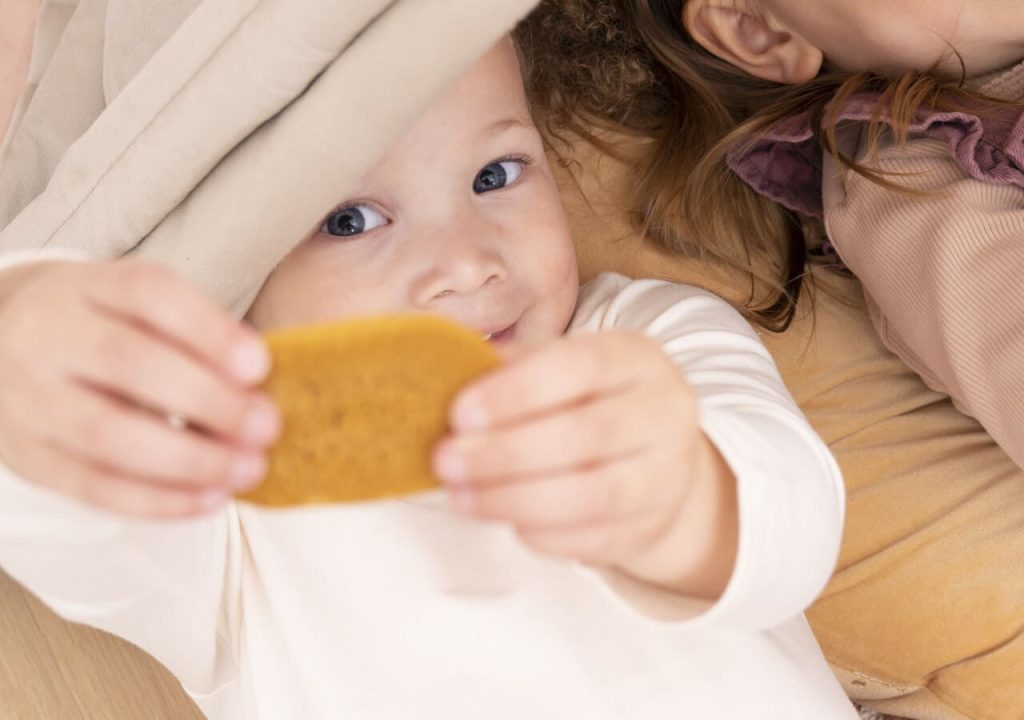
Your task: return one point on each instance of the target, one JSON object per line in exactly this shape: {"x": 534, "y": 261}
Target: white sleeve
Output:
{"x": 160, "y": 585}
{"x": 790, "y": 490}
{"x": 16, "y": 258}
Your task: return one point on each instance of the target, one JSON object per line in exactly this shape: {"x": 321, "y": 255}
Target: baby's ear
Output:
{"x": 754, "y": 42}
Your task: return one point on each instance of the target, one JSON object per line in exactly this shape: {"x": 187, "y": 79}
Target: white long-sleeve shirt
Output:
{"x": 402, "y": 609}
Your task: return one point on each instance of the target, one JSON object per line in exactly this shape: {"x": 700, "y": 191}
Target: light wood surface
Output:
{"x": 54, "y": 670}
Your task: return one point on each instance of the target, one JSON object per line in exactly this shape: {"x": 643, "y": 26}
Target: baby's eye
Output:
{"x": 353, "y": 220}
{"x": 497, "y": 175}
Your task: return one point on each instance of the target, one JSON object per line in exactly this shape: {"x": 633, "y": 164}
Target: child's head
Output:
{"x": 672, "y": 72}
{"x": 461, "y": 218}
{"x": 790, "y": 41}
{"x": 759, "y": 62}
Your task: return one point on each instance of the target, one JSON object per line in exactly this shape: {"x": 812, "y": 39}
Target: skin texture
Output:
{"x": 778, "y": 39}
{"x": 588, "y": 445}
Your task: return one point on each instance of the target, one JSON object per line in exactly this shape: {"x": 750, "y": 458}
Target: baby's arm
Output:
{"x": 645, "y": 469}
{"x": 87, "y": 352}
{"x": 942, "y": 274}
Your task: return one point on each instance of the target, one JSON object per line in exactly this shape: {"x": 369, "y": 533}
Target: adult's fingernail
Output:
{"x": 250, "y": 361}
{"x": 247, "y": 471}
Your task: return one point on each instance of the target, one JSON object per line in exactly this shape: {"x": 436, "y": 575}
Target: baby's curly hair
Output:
{"x": 582, "y": 64}
{"x": 590, "y": 66}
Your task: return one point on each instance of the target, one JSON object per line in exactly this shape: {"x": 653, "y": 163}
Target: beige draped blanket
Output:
{"x": 212, "y": 135}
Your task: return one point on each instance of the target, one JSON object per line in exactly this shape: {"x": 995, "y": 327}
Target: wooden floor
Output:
{"x": 53, "y": 670}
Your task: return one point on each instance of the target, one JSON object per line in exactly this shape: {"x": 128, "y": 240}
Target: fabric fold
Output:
{"x": 249, "y": 122}
{"x": 785, "y": 164}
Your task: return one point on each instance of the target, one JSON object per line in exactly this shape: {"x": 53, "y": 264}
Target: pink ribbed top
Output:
{"x": 943, "y": 272}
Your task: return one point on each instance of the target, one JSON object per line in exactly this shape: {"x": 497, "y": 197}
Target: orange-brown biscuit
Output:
{"x": 363, "y": 403}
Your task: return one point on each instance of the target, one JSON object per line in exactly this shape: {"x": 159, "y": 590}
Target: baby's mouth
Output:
{"x": 502, "y": 336}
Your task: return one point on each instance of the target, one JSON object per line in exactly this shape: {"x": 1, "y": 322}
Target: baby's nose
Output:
{"x": 461, "y": 268}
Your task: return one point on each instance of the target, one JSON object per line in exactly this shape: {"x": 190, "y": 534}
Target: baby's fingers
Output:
{"x": 108, "y": 433}
{"x": 154, "y": 297}
{"x": 128, "y": 361}
{"x": 583, "y": 435}
{"x": 555, "y": 376}
{"x": 600, "y": 494}
{"x": 119, "y": 493}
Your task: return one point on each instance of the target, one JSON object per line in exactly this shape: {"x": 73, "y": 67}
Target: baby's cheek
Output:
{"x": 260, "y": 314}
{"x": 566, "y": 293}
{"x": 566, "y": 267}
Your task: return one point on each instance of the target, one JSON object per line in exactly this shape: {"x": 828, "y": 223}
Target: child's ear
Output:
{"x": 753, "y": 42}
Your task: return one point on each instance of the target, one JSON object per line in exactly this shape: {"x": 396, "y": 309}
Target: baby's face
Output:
{"x": 461, "y": 218}
{"x": 886, "y": 35}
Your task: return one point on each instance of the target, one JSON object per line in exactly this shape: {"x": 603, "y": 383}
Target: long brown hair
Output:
{"x": 629, "y": 65}
{"x": 594, "y": 65}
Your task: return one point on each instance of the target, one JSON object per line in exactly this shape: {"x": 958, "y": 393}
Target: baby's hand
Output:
{"x": 590, "y": 447}
{"x": 125, "y": 387}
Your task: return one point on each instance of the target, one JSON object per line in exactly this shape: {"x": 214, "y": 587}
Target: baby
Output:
{"x": 631, "y": 523}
